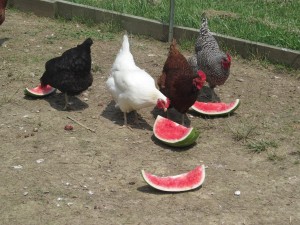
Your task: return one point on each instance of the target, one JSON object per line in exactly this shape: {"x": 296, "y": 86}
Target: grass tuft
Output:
{"x": 242, "y": 131}
{"x": 261, "y": 145}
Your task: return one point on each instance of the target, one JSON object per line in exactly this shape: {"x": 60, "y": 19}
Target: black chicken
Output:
{"x": 71, "y": 72}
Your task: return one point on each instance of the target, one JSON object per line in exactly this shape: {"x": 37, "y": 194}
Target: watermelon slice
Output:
{"x": 182, "y": 182}
{"x": 174, "y": 134}
{"x": 39, "y": 91}
{"x": 216, "y": 108}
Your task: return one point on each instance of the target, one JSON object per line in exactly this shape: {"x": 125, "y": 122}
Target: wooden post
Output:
{"x": 171, "y": 24}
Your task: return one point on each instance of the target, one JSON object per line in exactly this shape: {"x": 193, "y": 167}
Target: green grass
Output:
{"x": 104, "y": 31}
{"x": 261, "y": 145}
{"x": 243, "y": 131}
{"x": 274, "y": 22}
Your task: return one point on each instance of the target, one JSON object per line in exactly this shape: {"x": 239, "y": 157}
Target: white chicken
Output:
{"x": 131, "y": 87}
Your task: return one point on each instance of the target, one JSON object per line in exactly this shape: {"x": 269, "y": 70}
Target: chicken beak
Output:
{"x": 165, "y": 109}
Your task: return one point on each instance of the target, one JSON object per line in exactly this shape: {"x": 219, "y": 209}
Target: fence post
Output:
{"x": 171, "y": 24}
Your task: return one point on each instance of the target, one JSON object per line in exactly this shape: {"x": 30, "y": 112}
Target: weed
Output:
{"x": 261, "y": 145}
{"x": 7, "y": 99}
{"x": 274, "y": 157}
{"x": 243, "y": 131}
{"x": 96, "y": 68}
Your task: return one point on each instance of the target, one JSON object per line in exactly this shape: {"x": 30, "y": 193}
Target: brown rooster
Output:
{"x": 178, "y": 82}
{"x": 2, "y": 10}
{"x": 209, "y": 58}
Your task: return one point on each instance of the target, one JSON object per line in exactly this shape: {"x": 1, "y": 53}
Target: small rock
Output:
{"x": 35, "y": 129}
{"x": 237, "y": 193}
{"x": 25, "y": 193}
{"x": 18, "y": 167}
{"x": 69, "y": 127}
{"x": 90, "y": 192}
{"x": 85, "y": 99}
{"x": 85, "y": 94}
{"x": 40, "y": 160}
{"x": 240, "y": 80}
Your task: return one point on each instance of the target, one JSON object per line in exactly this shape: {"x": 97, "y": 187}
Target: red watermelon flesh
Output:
{"x": 39, "y": 91}
{"x": 170, "y": 130}
{"x": 183, "y": 182}
{"x": 211, "y": 107}
{"x": 215, "y": 108}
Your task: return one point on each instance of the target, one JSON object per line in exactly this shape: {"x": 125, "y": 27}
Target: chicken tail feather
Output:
{"x": 125, "y": 45}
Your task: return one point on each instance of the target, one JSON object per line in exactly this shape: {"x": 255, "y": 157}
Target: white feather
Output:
{"x": 131, "y": 87}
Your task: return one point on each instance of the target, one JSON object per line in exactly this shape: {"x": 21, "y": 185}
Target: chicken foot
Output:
{"x": 67, "y": 102}
{"x": 125, "y": 122}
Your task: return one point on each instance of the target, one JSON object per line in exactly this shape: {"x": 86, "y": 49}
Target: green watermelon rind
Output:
{"x": 220, "y": 113}
{"x": 188, "y": 140}
{"x": 28, "y": 92}
{"x": 176, "y": 189}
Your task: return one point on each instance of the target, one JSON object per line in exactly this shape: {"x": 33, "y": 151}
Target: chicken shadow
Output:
{"x": 206, "y": 94}
{"x": 2, "y": 40}
{"x": 173, "y": 115}
{"x": 116, "y": 116}
{"x": 57, "y": 101}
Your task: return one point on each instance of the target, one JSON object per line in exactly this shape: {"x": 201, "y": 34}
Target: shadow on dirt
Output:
{"x": 116, "y": 116}
{"x": 174, "y": 149}
{"x": 207, "y": 94}
{"x": 150, "y": 190}
{"x": 57, "y": 101}
{"x": 173, "y": 115}
{"x": 2, "y": 40}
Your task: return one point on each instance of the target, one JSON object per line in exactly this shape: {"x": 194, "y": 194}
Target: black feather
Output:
{"x": 71, "y": 72}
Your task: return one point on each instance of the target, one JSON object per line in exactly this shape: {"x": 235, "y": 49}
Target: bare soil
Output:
{"x": 52, "y": 176}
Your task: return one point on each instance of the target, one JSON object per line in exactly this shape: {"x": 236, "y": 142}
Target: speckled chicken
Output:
{"x": 178, "y": 82}
{"x": 210, "y": 58}
{"x": 71, "y": 72}
{"x": 3, "y": 4}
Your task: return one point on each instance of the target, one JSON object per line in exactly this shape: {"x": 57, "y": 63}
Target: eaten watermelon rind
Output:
{"x": 234, "y": 105}
{"x": 187, "y": 140}
{"x": 177, "y": 183}
{"x": 44, "y": 91}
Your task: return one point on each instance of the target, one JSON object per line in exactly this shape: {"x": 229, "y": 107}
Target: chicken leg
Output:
{"x": 66, "y": 101}
{"x": 182, "y": 119}
{"x": 125, "y": 119}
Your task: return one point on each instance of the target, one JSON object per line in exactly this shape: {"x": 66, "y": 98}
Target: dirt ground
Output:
{"x": 52, "y": 176}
